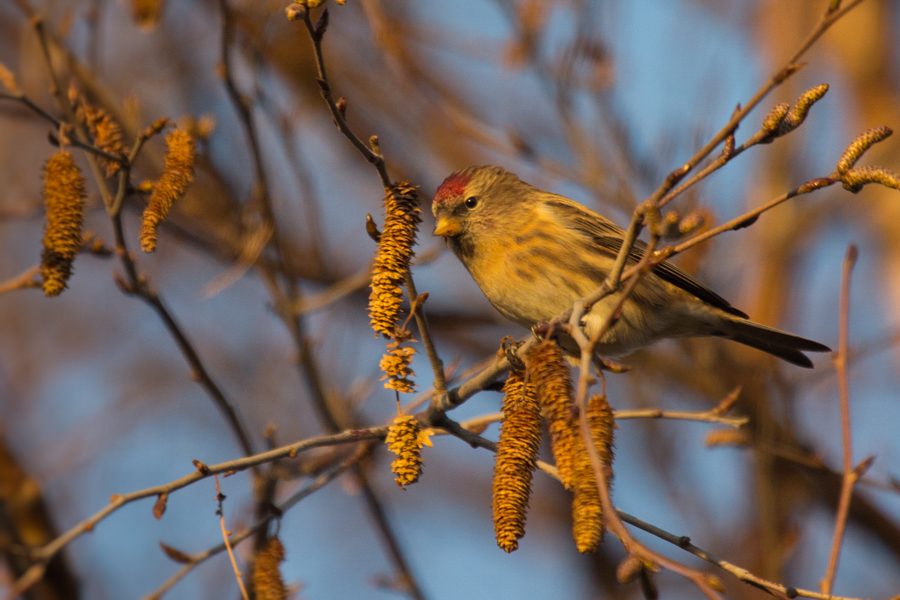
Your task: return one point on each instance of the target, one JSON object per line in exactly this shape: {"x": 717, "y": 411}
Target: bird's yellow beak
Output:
{"x": 447, "y": 227}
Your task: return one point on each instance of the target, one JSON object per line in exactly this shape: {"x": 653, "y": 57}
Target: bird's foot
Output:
{"x": 510, "y": 348}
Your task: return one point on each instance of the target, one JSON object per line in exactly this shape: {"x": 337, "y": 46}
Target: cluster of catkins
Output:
{"x": 64, "y": 191}
{"x": 544, "y": 392}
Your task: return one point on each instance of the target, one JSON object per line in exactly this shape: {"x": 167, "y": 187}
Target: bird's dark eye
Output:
{"x": 471, "y": 202}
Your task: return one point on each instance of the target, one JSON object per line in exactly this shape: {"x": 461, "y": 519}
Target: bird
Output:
{"x": 534, "y": 253}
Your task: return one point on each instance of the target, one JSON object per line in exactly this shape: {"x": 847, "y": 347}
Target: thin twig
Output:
{"x": 705, "y": 416}
{"x": 375, "y": 158}
{"x": 850, "y": 474}
{"x": 479, "y": 423}
{"x": 220, "y": 498}
{"x": 26, "y": 279}
{"x": 437, "y": 365}
{"x": 684, "y": 542}
{"x": 748, "y": 218}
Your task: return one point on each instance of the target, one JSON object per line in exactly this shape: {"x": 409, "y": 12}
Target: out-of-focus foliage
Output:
{"x": 595, "y": 100}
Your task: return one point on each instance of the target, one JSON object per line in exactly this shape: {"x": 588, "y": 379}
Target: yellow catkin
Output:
{"x": 405, "y": 438}
{"x": 515, "y": 461}
{"x": 587, "y": 509}
{"x": 549, "y": 373}
{"x": 106, "y": 133}
{"x": 860, "y": 145}
{"x": 64, "y": 195}
{"x": 395, "y": 365}
{"x": 146, "y": 13}
{"x": 267, "y": 581}
{"x": 401, "y": 220}
{"x": 176, "y": 176}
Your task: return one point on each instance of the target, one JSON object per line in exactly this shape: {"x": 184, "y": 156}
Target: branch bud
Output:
{"x": 295, "y": 12}
{"x": 693, "y": 221}
{"x": 321, "y": 24}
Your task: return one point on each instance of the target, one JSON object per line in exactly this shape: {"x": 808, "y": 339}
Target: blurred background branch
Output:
{"x": 595, "y": 100}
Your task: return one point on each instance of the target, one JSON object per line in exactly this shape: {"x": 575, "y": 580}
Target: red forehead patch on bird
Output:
{"x": 453, "y": 186}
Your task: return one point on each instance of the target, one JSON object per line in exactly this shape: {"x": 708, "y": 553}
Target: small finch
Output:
{"x": 534, "y": 253}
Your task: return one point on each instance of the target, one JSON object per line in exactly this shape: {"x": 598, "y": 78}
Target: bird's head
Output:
{"x": 474, "y": 201}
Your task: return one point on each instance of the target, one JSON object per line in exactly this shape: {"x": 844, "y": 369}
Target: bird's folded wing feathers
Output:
{"x": 607, "y": 237}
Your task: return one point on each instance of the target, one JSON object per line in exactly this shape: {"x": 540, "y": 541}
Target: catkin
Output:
{"x": 548, "y": 371}
{"x": 515, "y": 461}
{"x": 587, "y": 509}
{"x": 396, "y": 367}
{"x": 401, "y": 220}
{"x": 64, "y": 195}
{"x": 106, "y": 132}
{"x": 267, "y": 581}
{"x": 178, "y": 173}
{"x": 860, "y": 145}
{"x": 405, "y": 439}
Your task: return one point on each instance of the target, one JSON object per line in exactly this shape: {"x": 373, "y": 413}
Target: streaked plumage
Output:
{"x": 533, "y": 253}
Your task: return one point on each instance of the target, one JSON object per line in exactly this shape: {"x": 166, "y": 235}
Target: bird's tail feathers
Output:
{"x": 785, "y": 346}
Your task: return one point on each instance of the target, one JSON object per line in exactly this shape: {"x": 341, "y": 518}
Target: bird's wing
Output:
{"x": 607, "y": 237}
